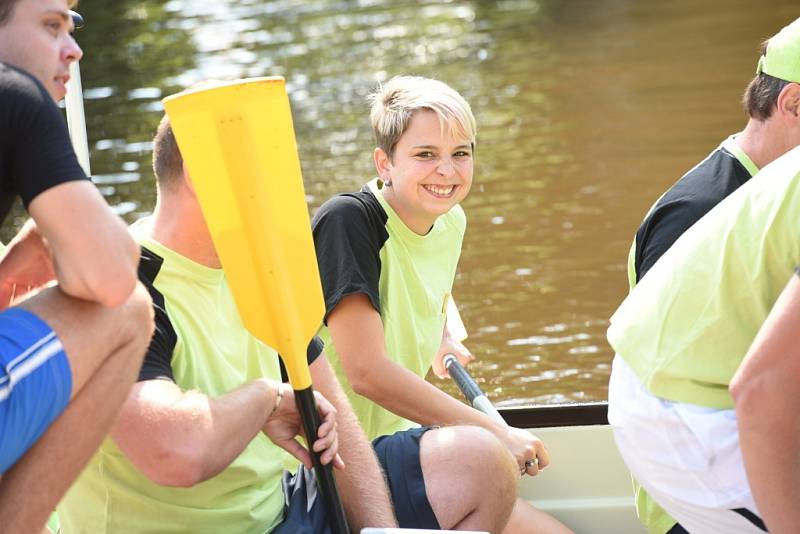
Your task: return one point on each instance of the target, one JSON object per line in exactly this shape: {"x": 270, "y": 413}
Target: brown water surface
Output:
{"x": 587, "y": 112}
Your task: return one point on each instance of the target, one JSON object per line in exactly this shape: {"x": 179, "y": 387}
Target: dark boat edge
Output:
{"x": 578, "y": 414}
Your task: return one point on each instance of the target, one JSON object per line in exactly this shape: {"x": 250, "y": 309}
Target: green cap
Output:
{"x": 782, "y": 59}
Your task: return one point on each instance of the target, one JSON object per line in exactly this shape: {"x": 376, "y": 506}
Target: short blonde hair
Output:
{"x": 394, "y": 103}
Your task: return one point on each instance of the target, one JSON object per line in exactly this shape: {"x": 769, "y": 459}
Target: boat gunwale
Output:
{"x": 557, "y": 415}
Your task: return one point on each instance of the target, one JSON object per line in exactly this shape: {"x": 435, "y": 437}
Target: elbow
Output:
{"x": 362, "y": 383}
{"x": 755, "y": 398}
{"x": 178, "y": 464}
{"x": 113, "y": 295}
{"x": 122, "y": 270}
{"x": 110, "y": 284}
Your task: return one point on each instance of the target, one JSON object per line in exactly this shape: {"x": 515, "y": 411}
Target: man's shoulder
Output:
{"x": 22, "y": 86}
{"x": 711, "y": 180}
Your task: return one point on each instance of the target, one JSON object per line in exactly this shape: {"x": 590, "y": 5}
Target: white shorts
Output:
{"x": 687, "y": 457}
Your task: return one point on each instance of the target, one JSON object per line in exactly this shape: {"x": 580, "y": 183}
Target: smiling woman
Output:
{"x": 387, "y": 257}
{"x": 425, "y": 141}
{"x": 429, "y": 173}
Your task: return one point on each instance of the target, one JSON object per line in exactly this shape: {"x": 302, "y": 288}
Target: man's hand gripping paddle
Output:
{"x": 238, "y": 144}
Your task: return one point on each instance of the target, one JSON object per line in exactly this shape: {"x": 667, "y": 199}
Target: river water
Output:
{"x": 587, "y": 111}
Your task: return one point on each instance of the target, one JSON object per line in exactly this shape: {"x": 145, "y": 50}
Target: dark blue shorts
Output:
{"x": 35, "y": 382}
{"x": 303, "y": 506}
{"x": 399, "y": 457}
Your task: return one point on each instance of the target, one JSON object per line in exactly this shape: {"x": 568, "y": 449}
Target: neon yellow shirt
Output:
{"x": 687, "y": 325}
{"x": 364, "y": 246}
{"x": 213, "y": 353}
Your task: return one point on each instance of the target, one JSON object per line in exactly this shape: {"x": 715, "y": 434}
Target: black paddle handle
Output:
{"x": 470, "y": 388}
{"x": 307, "y": 406}
{"x": 462, "y": 378}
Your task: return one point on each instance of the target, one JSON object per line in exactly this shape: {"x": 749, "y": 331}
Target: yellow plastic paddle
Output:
{"x": 237, "y": 141}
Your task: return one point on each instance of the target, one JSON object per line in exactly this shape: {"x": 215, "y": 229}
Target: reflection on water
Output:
{"x": 587, "y": 111}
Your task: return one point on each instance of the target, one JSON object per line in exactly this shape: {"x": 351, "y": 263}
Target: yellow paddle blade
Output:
{"x": 238, "y": 144}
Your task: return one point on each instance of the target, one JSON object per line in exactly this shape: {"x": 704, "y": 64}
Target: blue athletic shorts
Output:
{"x": 35, "y": 382}
{"x": 399, "y": 457}
{"x": 303, "y": 506}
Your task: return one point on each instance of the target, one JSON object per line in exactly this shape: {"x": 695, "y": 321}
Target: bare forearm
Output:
{"x": 364, "y": 493}
{"x": 770, "y": 443}
{"x": 766, "y": 395}
{"x": 197, "y": 436}
{"x": 413, "y": 398}
{"x": 101, "y": 269}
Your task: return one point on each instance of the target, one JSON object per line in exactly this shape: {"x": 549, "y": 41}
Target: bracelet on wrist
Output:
{"x": 278, "y": 399}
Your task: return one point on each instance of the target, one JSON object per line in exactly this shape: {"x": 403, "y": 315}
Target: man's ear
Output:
{"x": 383, "y": 164}
{"x": 788, "y": 104}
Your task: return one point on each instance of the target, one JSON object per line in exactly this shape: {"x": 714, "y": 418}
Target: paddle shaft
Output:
{"x": 470, "y": 388}
{"x": 307, "y": 407}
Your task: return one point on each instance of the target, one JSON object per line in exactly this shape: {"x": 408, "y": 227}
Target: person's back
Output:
{"x": 66, "y": 347}
{"x": 681, "y": 336}
{"x": 772, "y": 129}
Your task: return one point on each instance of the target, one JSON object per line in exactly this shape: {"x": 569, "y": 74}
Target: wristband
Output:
{"x": 278, "y": 399}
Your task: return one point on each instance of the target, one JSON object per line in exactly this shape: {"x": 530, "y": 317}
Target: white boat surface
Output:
{"x": 587, "y": 486}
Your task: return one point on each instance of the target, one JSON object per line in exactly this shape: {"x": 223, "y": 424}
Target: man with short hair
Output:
{"x": 68, "y": 352}
{"x": 202, "y": 441}
{"x": 773, "y": 129}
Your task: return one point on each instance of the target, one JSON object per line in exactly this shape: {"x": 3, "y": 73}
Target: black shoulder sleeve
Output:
{"x": 349, "y": 232}
{"x": 158, "y": 359}
{"x": 42, "y": 156}
{"x": 694, "y": 195}
{"x": 660, "y": 231}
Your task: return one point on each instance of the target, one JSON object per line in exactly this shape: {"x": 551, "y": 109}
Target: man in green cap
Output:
{"x": 707, "y": 424}
{"x": 773, "y": 128}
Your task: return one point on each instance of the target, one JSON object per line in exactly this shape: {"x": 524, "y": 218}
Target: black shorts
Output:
{"x": 399, "y": 457}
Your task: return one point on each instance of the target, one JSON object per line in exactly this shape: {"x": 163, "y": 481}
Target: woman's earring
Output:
{"x": 387, "y": 183}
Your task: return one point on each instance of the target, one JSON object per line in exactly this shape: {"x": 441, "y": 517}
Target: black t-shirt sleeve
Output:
{"x": 661, "y": 230}
{"x": 158, "y": 359}
{"x": 349, "y": 232}
{"x": 694, "y": 195}
{"x": 40, "y": 155}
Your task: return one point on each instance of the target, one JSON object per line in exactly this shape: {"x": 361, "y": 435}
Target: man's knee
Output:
{"x": 468, "y": 471}
{"x": 476, "y": 451}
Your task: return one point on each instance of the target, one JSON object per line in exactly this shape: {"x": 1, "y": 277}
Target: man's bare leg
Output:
{"x": 105, "y": 348}
{"x": 470, "y": 478}
{"x": 528, "y": 519}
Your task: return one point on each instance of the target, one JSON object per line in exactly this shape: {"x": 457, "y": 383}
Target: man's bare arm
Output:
{"x": 766, "y": 393}
{"x": 94, "y": 256}
{"x": 364, "y": 493}
{"x": 179, "y": 438}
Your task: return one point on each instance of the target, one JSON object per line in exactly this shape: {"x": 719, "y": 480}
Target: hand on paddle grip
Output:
{"x": 284, "y": 423}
